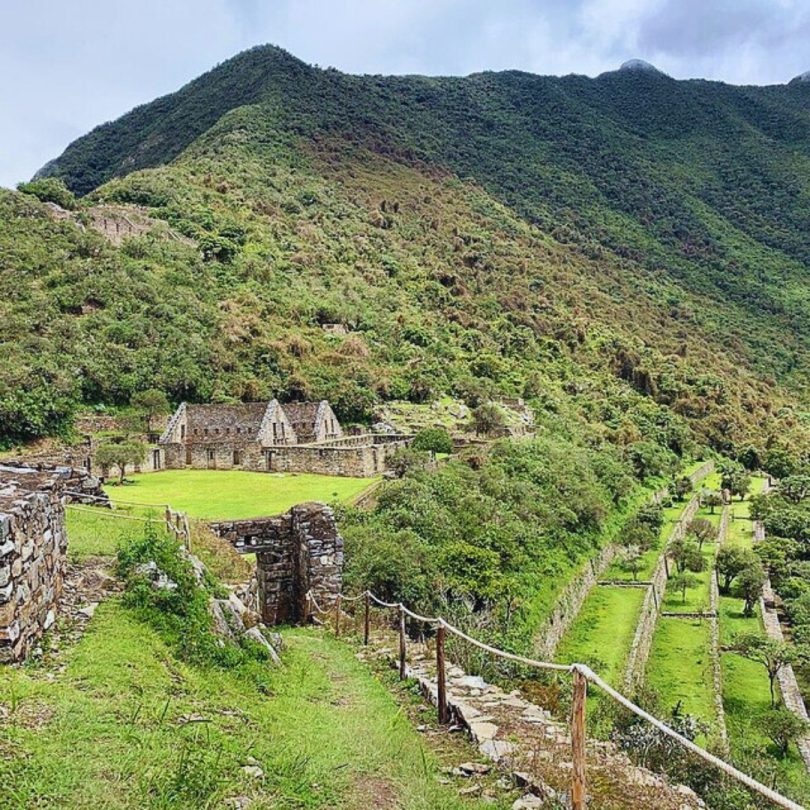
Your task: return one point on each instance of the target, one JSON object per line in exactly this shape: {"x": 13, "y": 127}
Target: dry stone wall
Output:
{"x": 297, "y": 552}
{"x": 651, "y": 606}
{"x": 33, "y": 547}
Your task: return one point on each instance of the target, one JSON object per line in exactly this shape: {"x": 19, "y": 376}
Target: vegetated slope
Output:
{"x": 699, "y": 181}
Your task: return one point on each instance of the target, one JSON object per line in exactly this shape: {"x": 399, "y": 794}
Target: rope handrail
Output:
{"x": 578, "y": 670}
{"x": 90, "y": 511}
{"x": 111, "y": 501}
{"x": 730, "y": 770}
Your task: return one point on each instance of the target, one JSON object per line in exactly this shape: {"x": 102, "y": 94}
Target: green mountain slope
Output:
{"x": 627, "y": 251}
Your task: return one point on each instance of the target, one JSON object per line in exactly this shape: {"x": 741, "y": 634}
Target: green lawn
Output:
{"x": 127, "y": 725}
{"x": 698, "y": 598}
{"x": 98, "y": 532}
{"x": 680, "y": 667}
{"x": 603, "y": 631}
{"x": 221, "y": 494}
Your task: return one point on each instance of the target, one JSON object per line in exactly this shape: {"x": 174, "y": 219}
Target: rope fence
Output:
{"x": 581, "y": 675}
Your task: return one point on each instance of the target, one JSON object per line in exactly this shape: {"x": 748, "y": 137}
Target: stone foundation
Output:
{"x": 297, "y": 552}
{"x": 33, "y": 548}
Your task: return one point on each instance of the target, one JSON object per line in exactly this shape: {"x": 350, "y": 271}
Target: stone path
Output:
{"x": 524, "y": 740}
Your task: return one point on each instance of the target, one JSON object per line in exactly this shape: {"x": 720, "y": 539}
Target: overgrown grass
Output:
{"x": 127, "y": 725}
{"x": 220, "y": 494}
{"x": 680, "y": 667}
{"x": 603, "y": 632}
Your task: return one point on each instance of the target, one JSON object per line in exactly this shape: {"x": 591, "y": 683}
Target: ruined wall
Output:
{"x": 33, "y": 547}
{"x": 651, "y": 606}
{"x": 295, "y": 552}
{"x": 570, "y": 601}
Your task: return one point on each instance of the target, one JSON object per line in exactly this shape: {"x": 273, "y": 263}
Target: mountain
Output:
{"x": 629, "y": 252}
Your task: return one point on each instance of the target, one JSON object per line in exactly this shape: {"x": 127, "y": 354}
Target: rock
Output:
{"x": 482, "y": 730}
{"x": 471, "y": 682}
{"x": 88, "y": 610}
{"x": 496, "y": 749}
{"x": 253, "y": 770}
{"x": 238, "y": 802}
{"x": 256, "y": 634}
{"x": 472, "y": 790}
{"x": 475, "y": 767}
{"x": 528, "y": 802}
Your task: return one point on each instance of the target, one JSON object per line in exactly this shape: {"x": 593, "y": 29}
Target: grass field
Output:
{"x": 215, "y": 494}
{"x": 603, "y": 631}
{"x": 127, "y": 725}
{"x": 680, "y": 667}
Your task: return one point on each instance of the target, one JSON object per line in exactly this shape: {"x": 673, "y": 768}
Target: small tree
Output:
{"x": 740, "y": 483}
{"x": 631, "y": 561}
{"x": 487, "y": 419}
{"x": 773, "y": 655}
{"x": 730, "y": 561}
{"x": 702, "y": 530}
{"x": 749, "y": 586}
{"x": 686, "y": 554}
{"x": 436, "y": 440}
{"x": 682, "y": 581}
{"x": 119, "y": 455}
{"x": 682, "y": 487}
{"x": 151, "y": 403}
{"x": 712, "y": 499}
{"x": 783, "y": 727}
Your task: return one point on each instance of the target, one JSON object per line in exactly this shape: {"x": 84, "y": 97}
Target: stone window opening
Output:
{"x": 237, "y": 458}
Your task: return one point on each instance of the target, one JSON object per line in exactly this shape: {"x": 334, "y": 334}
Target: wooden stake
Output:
{"x": 580, "y": 694}
{"x": 441, "y": 691}
{"x": 337, "y": 616}
{"x": 366, "y": 617}
{"x": 401, "y": 643}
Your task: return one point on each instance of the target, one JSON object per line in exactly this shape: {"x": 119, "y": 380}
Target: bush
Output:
{"x": 436, "y": 440}
{"x": 49, "y": 189}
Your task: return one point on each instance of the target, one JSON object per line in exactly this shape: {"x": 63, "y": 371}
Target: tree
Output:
{"x": 151, "y": 403}
{"x": 740, "y": 484}
{"x": 749, "y": 585}
{"x": 686, "y": 554}
{"x": 682, "y": 487}
{"x": 684, "y": 580}
{"x": 783, "y": 727}
{"x": 730, "y": 561}
{"x": 702, "y": 530}
{"x": 487, "y": 419}
{"x": 636, "y": 533}
{"x": 773, "y": 655}
{"x": 631, "y": 561}
{"x": 795, "y": 488}
{"x": 712, "y": 499}
{"x": 119, "y": 454}
{"x": 436, "y": 440}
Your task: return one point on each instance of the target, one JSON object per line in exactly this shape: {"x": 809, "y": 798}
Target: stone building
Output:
{"x": 298, "y": 437}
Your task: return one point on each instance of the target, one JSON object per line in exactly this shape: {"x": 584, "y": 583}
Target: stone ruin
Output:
{"x": 33, "y": 548}
{"x": 296, "y": 552}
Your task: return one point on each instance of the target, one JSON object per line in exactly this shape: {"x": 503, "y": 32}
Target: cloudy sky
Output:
{"x": 67, "y": 66}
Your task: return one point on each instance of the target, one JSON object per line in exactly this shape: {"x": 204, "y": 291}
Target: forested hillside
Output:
{"x": 627, "y": 252}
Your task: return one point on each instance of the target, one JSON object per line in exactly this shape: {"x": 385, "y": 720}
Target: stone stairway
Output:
{"x": 524, "y": 740}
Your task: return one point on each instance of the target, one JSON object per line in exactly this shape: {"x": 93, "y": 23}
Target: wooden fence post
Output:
{"x": 366, "y": 617}
{"x": 337, "y": 616}
{"x": 580, "y": 694}
{"x": 401, "y": 643}
{"x": 441, "y": 687}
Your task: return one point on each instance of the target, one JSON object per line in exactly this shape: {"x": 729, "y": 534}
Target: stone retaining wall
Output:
{"x": 295, "y": 553}
{"x": 33, "y": 548}
{"x": 788, "y": 685}
{"x": 717, "y": 670}
{"x": 651, "y": 606}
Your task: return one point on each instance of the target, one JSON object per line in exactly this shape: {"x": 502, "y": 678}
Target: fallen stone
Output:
{"x": 88, "y": 610}
{"x": 253, "y": 770}
{"x": 528, "y": 802}
{"x": 496, "y": 749}
{"x": 475, "y": 767}
{"x": 483, "y": 731}
{"x": 256, "y": 634}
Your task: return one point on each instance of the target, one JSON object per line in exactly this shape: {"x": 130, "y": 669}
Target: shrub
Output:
{"x": 436, "y": 440}
{"x": 50, "y": 189}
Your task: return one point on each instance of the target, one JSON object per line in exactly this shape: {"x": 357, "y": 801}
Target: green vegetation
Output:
{"x": 215, "y": 494}
{"x": 679, "y": 669}
{"x": 603, "y": 631}
{"x": 127, "y": 725}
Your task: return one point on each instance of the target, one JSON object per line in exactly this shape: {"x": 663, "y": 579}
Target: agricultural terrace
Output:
{"x": 235, "y": 494}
